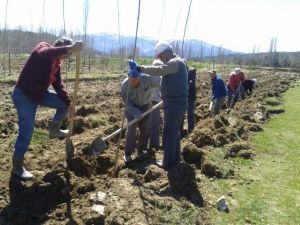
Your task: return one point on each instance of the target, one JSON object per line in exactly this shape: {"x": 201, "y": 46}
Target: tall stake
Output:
{"x": 123, "y": 119}
{"x": 69, "y": 143}
{"x": 186, "y": 22}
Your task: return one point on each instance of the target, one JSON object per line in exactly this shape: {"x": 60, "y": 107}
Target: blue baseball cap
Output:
{"x": 135, "y": 74}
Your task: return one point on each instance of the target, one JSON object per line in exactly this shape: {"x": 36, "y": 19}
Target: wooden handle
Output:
{"x": 74, "y": 100}
{"x": 133, "y": 121}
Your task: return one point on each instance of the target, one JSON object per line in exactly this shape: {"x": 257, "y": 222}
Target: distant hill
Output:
{"x": 19, "y": 41}
{"x": 109, "y": 44}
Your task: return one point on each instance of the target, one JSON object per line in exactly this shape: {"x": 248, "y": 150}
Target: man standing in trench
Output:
{"x": 174, "y": 93}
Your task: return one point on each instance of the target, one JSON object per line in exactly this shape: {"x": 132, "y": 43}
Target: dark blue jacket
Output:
{"x": 218, "y": 87}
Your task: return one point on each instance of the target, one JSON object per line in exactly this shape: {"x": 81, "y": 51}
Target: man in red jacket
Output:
{"x": 235, "y": 87}
{"x": 41, "y": 70}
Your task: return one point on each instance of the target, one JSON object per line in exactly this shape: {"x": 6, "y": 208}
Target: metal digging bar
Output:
{"x": 98, "y": 144}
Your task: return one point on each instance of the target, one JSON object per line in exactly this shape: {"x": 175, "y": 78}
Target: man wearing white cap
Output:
{"x": 174, "y": 93}
{"x": 235, "y": 87}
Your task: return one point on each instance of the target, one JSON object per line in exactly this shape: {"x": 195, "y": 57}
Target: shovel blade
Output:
{"x": 98, "y": 146}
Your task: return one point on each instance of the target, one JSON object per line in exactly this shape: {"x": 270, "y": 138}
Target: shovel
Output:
{"x": 98, "y": 145}
{"x": 69, "y": 143}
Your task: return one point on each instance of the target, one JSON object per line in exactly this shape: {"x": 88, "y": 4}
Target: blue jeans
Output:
{"x": 26, "y": 109}
{"x": 154, "y": 127}
{"x": 173, "y": 116}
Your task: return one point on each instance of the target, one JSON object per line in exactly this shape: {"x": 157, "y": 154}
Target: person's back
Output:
{"x": 174, "y": 86}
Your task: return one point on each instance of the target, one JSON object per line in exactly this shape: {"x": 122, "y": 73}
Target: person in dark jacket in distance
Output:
{"x": 248, "y": 85}
{"x": 219, "y": 91}
{"x": 191, "y": 102}
{"x": 41, "y": 70}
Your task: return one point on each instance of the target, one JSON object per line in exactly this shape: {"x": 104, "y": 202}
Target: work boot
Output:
{"x": 55, "y": 131}
{"x": 19, "y": 170}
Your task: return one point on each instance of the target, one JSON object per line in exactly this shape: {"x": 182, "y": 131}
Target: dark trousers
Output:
{"x": 173, "y": 116}
{"x": 155, "y": 122}
{"x": 131, "y": 136}
{"x": 190, "y": 118}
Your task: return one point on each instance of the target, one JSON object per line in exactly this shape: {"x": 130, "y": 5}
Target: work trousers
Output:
{"x": 131, "y": 136}
{"x": 219, "y": 102}
{"x": 233, "y": 97}
{"x": 26, "y": 110}
{"x": 173, "y": 116}
{"x": 155, "y": 122}
{"x": 190, "y": 118}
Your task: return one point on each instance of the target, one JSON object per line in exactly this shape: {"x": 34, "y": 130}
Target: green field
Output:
{"x": 266, "y": 190}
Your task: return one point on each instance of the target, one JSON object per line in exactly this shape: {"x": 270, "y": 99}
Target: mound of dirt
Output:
{"x": 86, "y": 110}
{"x": 85, "y": 166}
{"x": 233, "y": 149}
{"x": 192, "y": 154}
{"x": 153, "y": 173}
{"x": 203, "y": 138}
{"x": 182, "y": 180}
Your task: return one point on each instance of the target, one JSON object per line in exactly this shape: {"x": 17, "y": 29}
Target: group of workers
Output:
{"x": 167, "y": 79}
{"x": 236, "y": 89}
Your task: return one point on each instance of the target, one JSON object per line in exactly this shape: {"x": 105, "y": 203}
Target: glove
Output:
{"x": 133, "y": 73}
{"x": 138, "y": 116}
{"x": 135, "y": 113}
{"x": 132, "y": 65}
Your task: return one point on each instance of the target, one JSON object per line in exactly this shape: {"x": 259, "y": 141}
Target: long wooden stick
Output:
{"x": 69, "y": 143}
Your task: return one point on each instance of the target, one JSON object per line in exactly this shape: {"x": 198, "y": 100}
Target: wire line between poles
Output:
{"x": 186, "y": 22}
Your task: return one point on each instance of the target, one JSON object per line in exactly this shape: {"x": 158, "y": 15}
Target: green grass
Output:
{"x": 39, "y": 136}
{"x": 267, "y": 189}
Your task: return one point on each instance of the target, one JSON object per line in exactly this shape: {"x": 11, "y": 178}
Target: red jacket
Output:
{"x": 235, "y": 80}
{"x": 35, "y": 76}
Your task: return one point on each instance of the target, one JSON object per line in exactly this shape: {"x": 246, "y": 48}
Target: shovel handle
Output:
{"x": 132, "y": 122}
{"x": 211, "y": 105}
{"x": 72, "y": 112}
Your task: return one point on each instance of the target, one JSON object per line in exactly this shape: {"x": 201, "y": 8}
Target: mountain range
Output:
{"x": 112, "y": 43}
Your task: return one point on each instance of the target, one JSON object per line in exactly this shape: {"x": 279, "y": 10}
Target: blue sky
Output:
{"x": 234, "y": 24}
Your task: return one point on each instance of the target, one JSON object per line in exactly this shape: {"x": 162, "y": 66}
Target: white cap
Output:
{"x": 237, "y": 70}
{"x": 161, "y": 47}
{"x": 157, "y": 62}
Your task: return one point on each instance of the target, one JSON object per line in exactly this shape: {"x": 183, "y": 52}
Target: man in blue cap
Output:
{"x": 136, "y": 91}
{"x": 174, "y": 93}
